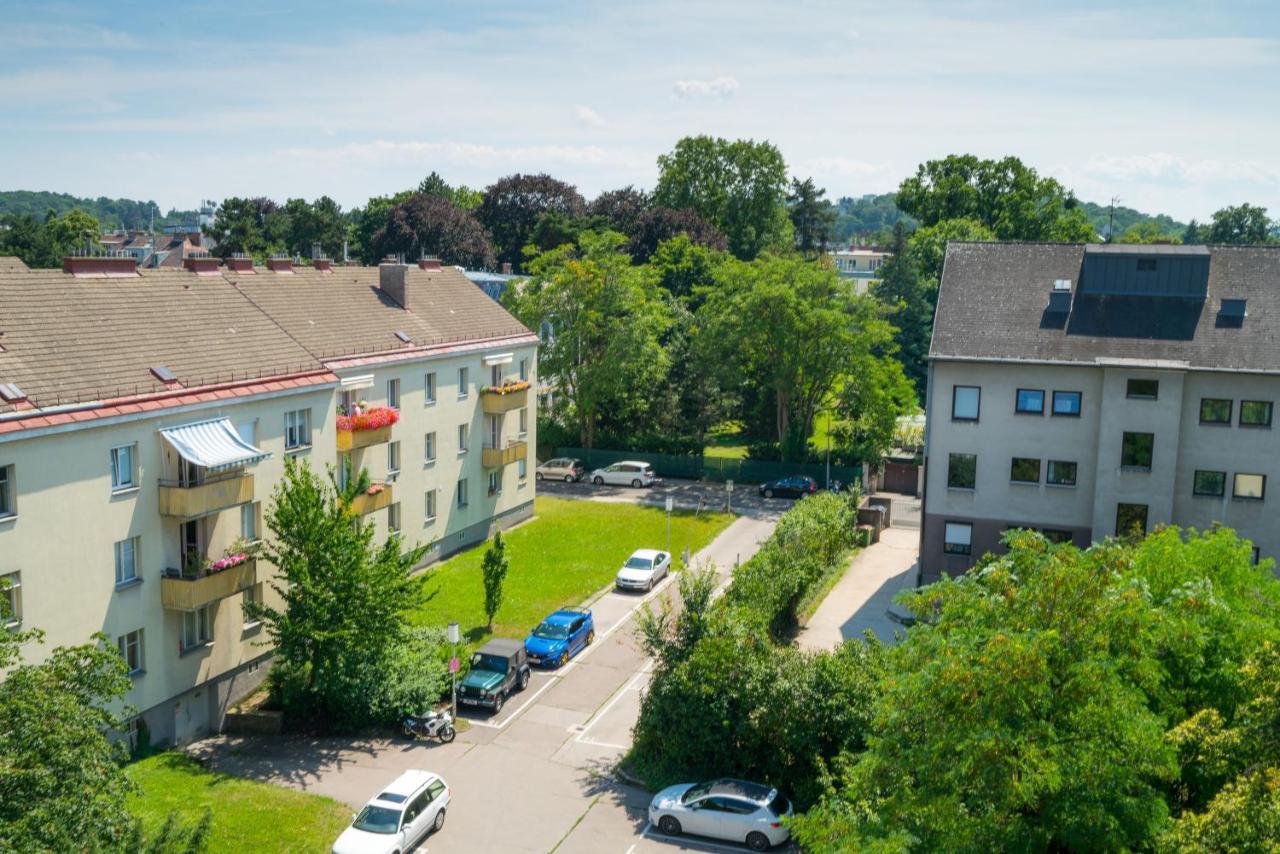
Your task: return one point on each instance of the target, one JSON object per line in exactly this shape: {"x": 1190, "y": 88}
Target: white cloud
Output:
{"x": 588, "y": 117}
{"x": 717, "y": 87}
{"x": 1163, "y": 167}
{"x": 382, "y": 152}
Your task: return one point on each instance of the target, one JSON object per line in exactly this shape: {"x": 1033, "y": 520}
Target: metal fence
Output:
{"x": 714, "y": 468}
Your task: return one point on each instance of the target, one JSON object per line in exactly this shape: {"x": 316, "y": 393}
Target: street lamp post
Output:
{"x": 454, "y": 664}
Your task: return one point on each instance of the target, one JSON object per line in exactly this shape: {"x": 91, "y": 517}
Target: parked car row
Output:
{"x": 634, "y": 473}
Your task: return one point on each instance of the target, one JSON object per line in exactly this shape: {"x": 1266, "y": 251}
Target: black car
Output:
{"x": 796, "y": 486}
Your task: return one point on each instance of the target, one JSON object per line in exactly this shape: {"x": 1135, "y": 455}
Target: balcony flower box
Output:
{"x": 509, "y": 387}
{"x": 367, "y": 427}
{"x": 497, "y": 399}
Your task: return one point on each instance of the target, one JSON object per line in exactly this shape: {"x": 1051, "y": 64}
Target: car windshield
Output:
{"x": 638, "y": 563}
{"x": 695, "y": 792}
{"x": 374, "y": 819}
{"x": 493, "y": 663}
{"x": 551, "y": 631}
{"x": 779, "y": 805}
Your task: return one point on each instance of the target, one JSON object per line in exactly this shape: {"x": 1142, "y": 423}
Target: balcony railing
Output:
{"x": 180, "y": 592}
{"x": 208, "y": 496}
{"x": 372, "y": 501}
{"x": 371, "y": 427}
{"x": 495, "y": 400}
{"x": 494, "y": 458}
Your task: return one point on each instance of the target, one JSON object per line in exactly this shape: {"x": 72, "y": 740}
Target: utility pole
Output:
{"x": 1111, "y": 218}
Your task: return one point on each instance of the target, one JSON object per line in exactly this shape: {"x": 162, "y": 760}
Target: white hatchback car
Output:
{"x": 625, "y": 473}
{"x": 399, "y": 817}
{"x": 644, "y": 569}
{"x": 724, "y": 809}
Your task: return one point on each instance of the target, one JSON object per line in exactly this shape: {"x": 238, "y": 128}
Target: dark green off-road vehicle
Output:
{"x": 498, "y": 669}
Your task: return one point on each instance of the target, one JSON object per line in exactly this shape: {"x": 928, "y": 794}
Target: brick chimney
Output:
{"x": 113, "y": 266}
{"x": 391, "y": 279}
{"x": 240, "y": 263}
{"x": 322, "y": 265}
{"x": 202, "y": 264}
{"x": 506, "y": 268}
{"x": 280, "y": 264}
{"x": 430, "y": 263}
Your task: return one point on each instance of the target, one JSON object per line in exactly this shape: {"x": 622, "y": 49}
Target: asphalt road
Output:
{"x": 537, "y": 777}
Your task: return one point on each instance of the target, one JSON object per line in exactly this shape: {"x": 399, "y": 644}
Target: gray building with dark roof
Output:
{"x": 1084, "y": 390}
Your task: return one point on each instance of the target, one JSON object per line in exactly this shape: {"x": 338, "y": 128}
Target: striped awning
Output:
{"x": 214, "y": 444}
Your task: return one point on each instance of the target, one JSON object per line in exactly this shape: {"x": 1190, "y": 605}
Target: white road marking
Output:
{"x": 598, "y": 716}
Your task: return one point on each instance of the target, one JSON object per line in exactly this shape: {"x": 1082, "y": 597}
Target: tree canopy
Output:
{"x": 512, "y": 205}
{"x": 812, "y": 216}
{"x": 1239, "y": 224}
{"x": 426, "y": 224}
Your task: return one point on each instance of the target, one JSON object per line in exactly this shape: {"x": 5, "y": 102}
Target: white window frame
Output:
{"x": 12, "y": 595}
{"x": 952, "y": 536}
{"x": 464, "y": 438}
{"x": 429, "y": 448}
{"x": 249, "y": 521}
{"x": 464, "y": 383}
{"x": 118, "y": 481}
{"x": 132, "y": 543}
{"x": 393, "y": 457}
{"x": 393, "y": 518}
{"x": 495, "y": 483}
{"x": 7, "y": 503}
{"x": 133, "y": 640}
{"x": 463, "y": 497}
{"x": 252, "y": 596}
{"x": 495, "y": 375}
{"x": 522, "y": 469}
{"x": 431, "y": 502}
{"x": 524, "y": 421}
{"x": 197, "y": 628}
{"x": 297, "y": 421}
{"x": 393, "y": 393}
{"x": 524, "y": 369}
{"x": 429, "y": 388}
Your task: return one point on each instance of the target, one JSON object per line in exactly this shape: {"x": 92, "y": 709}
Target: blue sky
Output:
{"x": 1174, "y": 107}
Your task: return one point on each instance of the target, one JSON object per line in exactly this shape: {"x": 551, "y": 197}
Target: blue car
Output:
{"x": 560, "y": 637}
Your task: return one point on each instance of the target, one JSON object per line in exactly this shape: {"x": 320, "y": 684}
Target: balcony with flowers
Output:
{"x": 364, "y": 426}
{"x": 497, "y": 399}
{"x": 376, "y": 497}
{"x": 202, "y": 580}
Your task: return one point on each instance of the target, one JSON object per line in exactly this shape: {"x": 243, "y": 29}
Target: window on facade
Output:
{"x": 429, "y": 388}
{"x": 10, "y": 599}
{"x": 1255, "y": 413}
{"x": 1030, "y": 401}
{"x": 6, "y": 491}
{"x": 495, "y": 375}
{"x": 197, "y": 627}
{"x": 522, "y": 469}
{"x": 1252, "y": 486}
{"x": 297, "y": 429}
{"x": 962, "y": 471}
{"x": 429, "y": 449}
{"x": 1066, "y": 403}
{"x": 524, "y": 421}
{"x": 344, "y": 470}
{"x": 1025, "y": 470}
{"x": 393, "y": 517}
{"x": 958, "y": 538}
{"x": 393, "y": 394}
{"x": 1130, "y": 519}
{"x": 1061, "y": 473}
{"x": 965, "y": 402}
{"x": 130, "y": 647}
{"x": 126, "y": 560}
{"x": 431, "y": 505}
{"x": 462, "y": 438}
{"x": 122, "y": 470}
{"x": 1212, "y": 483}
{"x": 524, "y": 369}
{"x": 1142, "y": 389}
{"x": 249, "y": 521}
{"x": 1136, "y": 450}
{"x": 252, "y": 596}
{"x": 393, "y": 457}
{"x": 1214, "y": 410}
{"x": 1054, "y": 535}
{"x": 462, "y": 492}
{"x": 495, "y": 483}
{"x": 464, "y": 383}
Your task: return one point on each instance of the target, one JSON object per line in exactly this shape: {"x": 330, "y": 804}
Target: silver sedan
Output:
{"x": 723, "y": 809}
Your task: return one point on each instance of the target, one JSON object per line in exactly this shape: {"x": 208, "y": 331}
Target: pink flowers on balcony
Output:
{"x": 373, "y": 418}
{"x": 375, "y": 489}
{"x": 508, "y": 387}
{"x": 227, "y": 562}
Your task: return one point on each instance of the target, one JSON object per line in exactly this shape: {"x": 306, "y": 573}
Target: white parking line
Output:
{"x": 684, "y": 841}
{"x": 598, "y": 716}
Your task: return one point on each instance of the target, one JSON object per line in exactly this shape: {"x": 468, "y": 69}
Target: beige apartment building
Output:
{"x": 1088, "y": 390}
{"x": 145, "y": 417}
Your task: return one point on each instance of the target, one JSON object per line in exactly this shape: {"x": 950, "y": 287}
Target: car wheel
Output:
{"x": 537, "y": 475}
{"x": 409, "y": 733}
{"x": 757, "y": 841}
{"x": 636, "y": 484}
{"x": 648, "y": 588}
{"x": 497, "y": 703}
{"x": 668, "y": 825}
{"x": 447, "y": 735}
{"x": 568, "y": 478}
{"x": 524, "y": 679}
{"x": 598, "y": 481}
{"x": 768, "y": 493}
{"x": 591, "y": 636}
{"x": 438, "y": 824}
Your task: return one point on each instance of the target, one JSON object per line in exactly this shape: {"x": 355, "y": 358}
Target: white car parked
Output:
{"x": 625, "y": 473}
{"x": 399, "y": 817}
{"x": 644, "y": 569}
{"x": 723, "y": 809}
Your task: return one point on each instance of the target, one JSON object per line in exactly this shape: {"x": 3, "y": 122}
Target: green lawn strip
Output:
{"x": 571, "y": 550}
{"x": 247, "y": 815}
{"x": 725, "y": 442}
{"x": 810, "y": 603}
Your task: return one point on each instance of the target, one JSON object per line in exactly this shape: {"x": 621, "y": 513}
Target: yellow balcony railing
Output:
{"x": 181, "y": 593}
{"x": 495, "y": 458}
{"x": 354, "y": 440}
{"x": 494, "y": 402}
{"x": 366, "y": 504}
{"x": 188, "y": 502}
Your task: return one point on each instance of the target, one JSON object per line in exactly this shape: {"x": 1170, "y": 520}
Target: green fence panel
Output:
{"x": 714, "y": 468}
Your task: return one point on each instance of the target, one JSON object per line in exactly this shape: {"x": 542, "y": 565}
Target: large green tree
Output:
{"x": 740, "y": 187}
{"x": 253, "y": 226}
{"x": 432, "y": 225}
{"x": 44, "y": 243}
{"x": 812, "y": 216}
{"x": 512, "y": 206}
{"x": 310, "y": 223}
{"x": 1239, "y": 224}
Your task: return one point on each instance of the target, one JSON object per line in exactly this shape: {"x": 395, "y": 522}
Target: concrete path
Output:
{"x": 860, "y": 600}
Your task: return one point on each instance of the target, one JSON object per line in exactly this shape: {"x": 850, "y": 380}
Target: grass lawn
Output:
{"x": 572, "y": 549}
{"x": 725, "y": 441}
{"x": 247, "y": 815}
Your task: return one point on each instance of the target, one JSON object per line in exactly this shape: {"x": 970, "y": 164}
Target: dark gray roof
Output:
{"x": 993, "y": 298}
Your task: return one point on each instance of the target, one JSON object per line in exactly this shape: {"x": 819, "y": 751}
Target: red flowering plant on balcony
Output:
{"x": 373, "y": 418}
{"x": 237, "y": 553}
{"x": 508, "y": 387}
{"x": 375, "y": 488}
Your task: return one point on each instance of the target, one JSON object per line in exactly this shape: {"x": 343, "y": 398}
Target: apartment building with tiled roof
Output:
{"x": 145, "y": 416}
{"x": 1088, "y": 390}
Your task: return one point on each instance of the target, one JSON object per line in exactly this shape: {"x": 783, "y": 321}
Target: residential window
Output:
{"x": 429, "y": 451}
{"x": 522, "y": 469}
{"x": 297, "y": 429}
{"x": 1025, "y": 470}
{"x": 1251, "y": 486}
{"x": 130, "y": 646}
{"x": 495, "y": 483}
{"x": 1030, "y": 401}
{"x": 344, "y": 471}
{"x": 1066, "y": 403}
{"x": 1136, "y": 450}
{"x": 197, "y": 627}
{"x": 464, "y": 383}
{"x": 1215, "y": 410}
{"x": 249, "y": 521}
{"x": 1139, "y": 389}
{"x": 1054, "y": 535}
{"x": 462, "y": 492}
{"x": 393, "y": 394}
{"x": 1131, "y": 518}
{"x": 962, "y": 472}
{"x": 462, "y": 438}
{"x": 122, "y": 468}
{"x": 495, "y": 375}
{"x": 524, "y": 369}
{"x": 429, "y": 385}
{"x": 252, "y": 596}
{"x": 1253, "y": 413}
{"x": 126, "y": 560}
{"x": 431, "y": 505}
{"x": 965, "y": 402}
{"x": 524, "y": 421}
{"x": 958, "y": 538}
{"x": 1210, "y": 483}
{"x": 6, "y": 491}
{"x": 393, "y": 457}
{"x": 393, "y": 518}
{"x": 1061, "y": 473}
{"x": 11, "y": 599}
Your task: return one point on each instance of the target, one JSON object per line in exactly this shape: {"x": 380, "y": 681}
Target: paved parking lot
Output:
{"x": 745, "y": 500}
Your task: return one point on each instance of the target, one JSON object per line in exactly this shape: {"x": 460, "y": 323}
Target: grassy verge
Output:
{"x": 814, "y": 598}
{"x": 571, "y": 550}
{"x": 247, "y": 815}
{"x": 725, "y": 441}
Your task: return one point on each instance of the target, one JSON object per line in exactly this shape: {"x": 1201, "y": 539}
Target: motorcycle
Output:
{"x": 431, "y": 725}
